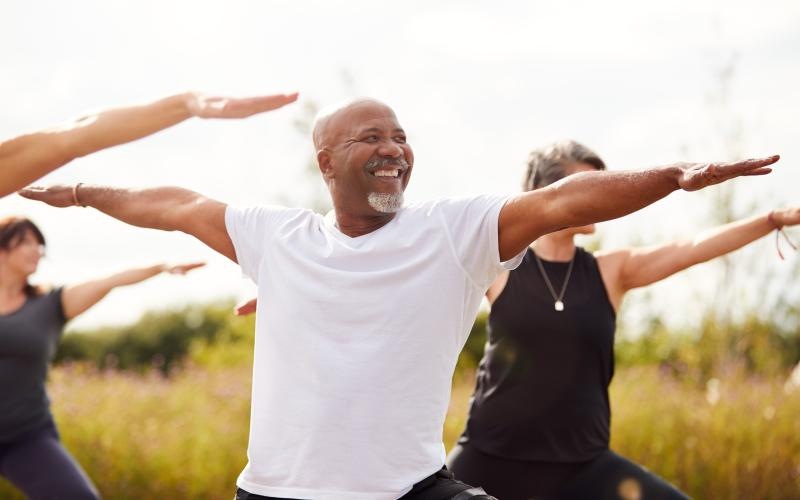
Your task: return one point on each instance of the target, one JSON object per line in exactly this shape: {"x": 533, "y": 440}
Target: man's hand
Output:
{"x": 57, "y": 195}
{"x": 205, "y": 106}
{"x": 245, "y": 308}
{"x": 694, "y": 176}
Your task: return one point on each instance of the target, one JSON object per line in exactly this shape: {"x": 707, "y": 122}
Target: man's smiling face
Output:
{"x": 364, "y": 157}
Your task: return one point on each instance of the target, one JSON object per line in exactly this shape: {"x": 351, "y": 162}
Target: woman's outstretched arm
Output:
{"x": 25, "y": 158}
{"x": 76, "y": 299}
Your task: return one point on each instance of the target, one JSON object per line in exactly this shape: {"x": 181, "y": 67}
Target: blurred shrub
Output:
{"x": 159, "y": 339}
{"x": 754, "y": 346}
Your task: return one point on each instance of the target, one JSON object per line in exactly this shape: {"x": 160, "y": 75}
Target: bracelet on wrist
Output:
{"x": 772, "y": 221}
{"x": 75, "y": 200}
{"x": 778, "y": 232}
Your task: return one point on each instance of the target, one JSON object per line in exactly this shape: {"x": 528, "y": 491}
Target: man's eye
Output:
{"x": 401, "y": 139}
{"x": 371, "y": 138}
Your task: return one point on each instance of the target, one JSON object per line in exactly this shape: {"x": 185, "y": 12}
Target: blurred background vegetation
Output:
{"x": 160, "y": 408}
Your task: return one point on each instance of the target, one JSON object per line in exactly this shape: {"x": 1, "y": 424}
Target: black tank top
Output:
{"x": 542, "y": 385}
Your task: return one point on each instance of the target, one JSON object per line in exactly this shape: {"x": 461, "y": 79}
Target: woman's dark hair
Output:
{"x": 12, "y": 232}
{"x": 548, "y": 164}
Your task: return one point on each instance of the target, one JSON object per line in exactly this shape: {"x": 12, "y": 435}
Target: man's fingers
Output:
{"x": 721, "y": 172}
{"x": 751, "y": 164}
{"x": 31, "y": 192}
{"x": 759, "y": 171}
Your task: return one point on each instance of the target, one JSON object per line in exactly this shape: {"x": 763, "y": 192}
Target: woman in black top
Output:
{"x": 31, "y": 323}
{"x": 538, "y": 425}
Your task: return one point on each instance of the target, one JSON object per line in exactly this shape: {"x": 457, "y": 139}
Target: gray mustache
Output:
{"x": 385, "y": 162}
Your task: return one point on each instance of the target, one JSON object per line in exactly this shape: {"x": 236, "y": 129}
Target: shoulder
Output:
{"x": 611, "y": 263}
{"x": 272, "y": 215}
{"x": 265, "y": 211}
{"x": 460, "y": 204}
{"x": 611, "y": 259}
{"x": 48, "y": 299}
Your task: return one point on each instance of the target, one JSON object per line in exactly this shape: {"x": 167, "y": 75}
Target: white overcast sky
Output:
{"x": 475, "y": 84}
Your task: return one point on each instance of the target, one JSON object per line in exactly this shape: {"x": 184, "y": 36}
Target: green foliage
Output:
{"x": 754, "y": 346}
{"x": 159, "y": 339}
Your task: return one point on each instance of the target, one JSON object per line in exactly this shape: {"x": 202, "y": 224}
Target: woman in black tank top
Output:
{"x": 539, "y": 421}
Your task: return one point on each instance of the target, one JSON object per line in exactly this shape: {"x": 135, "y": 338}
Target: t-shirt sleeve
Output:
{"x": 55, "y": 305}
{"x": 472, "y": 225}
{"x": 251, "y": 229}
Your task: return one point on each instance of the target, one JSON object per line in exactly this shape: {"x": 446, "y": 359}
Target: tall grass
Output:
{"x": 734, "y": 437}
{"x": 144, "y": 436}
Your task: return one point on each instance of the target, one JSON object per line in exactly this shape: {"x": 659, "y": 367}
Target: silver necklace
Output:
{"x": 559, "y": 299}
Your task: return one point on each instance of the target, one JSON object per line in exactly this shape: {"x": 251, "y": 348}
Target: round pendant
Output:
{"x": 559, "y": 306}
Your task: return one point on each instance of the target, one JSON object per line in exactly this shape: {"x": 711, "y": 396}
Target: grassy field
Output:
{"x": 146, "y": 436}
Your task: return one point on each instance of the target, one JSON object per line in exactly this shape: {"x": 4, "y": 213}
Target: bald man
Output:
{"x": 363, "y": 312}
{"x": 25, "y": 158}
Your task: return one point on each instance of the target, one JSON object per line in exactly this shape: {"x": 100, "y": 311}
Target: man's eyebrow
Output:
{"x": 377, "y": 129}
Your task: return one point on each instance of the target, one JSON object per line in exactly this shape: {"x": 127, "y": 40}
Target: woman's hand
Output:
{"x": 183, "y": 268}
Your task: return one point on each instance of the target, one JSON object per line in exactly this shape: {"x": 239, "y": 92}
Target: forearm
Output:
{"x": 578, "y": 200}
{"x": 164, "y": 208}
{"x": 78, "y": 298}
{"x": 647, "y": 265}
{"x": 120, "y": 125}
{"x": 132, "y": 276}
{"x": 591, "y": 197}
{"x": 28, "y": 157}
{"x": 727, "y": 238}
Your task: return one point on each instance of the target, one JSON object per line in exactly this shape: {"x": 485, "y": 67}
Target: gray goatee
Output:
{"x": 386, "y": 203}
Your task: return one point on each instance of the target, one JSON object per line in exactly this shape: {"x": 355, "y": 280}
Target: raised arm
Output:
{"x": 26, "y": 158}
{"x": 78, "y": 298}
{"x": 165, "y": 208}
{"x": 630, "y": 268}
{"x": 589, "y": 197}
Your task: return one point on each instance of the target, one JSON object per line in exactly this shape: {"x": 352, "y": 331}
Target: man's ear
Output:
{"x": 325, "y": 164}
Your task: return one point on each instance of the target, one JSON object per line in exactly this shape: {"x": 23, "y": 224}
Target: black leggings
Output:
{"x": 42, "y": 469}
{"x": 439, "y": 486}
{"x": 609, "y": 476}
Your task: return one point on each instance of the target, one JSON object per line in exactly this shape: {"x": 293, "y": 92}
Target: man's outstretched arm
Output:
{"x": 590, "y": 197}
{"x": 165, "y": 208}
{"x": 26, "y": 158}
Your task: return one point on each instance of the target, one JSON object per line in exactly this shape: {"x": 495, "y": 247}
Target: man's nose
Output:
{"x": 390, "y": 149}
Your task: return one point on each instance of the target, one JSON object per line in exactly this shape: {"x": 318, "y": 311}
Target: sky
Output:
{"x": 476, "y": 86}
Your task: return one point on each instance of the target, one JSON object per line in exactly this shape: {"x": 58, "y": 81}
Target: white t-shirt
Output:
{"x": 356, "y": 342}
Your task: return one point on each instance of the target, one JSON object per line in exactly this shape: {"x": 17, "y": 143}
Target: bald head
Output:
{"x": 364, "y": 158}
{"x": 337, "y": 119}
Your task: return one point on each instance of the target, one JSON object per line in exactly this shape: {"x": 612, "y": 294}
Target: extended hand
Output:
{"x": 696, "y": 176}
{"x": 246, "y": 308}
{"x": 57, "y": 195}
{"x": 183, "y": 268}
{"x": 205, "y": 106}
{"x": 787, "y": 216}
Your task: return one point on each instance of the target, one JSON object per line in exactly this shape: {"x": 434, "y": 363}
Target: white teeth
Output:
{"x": 386, "y": 173}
